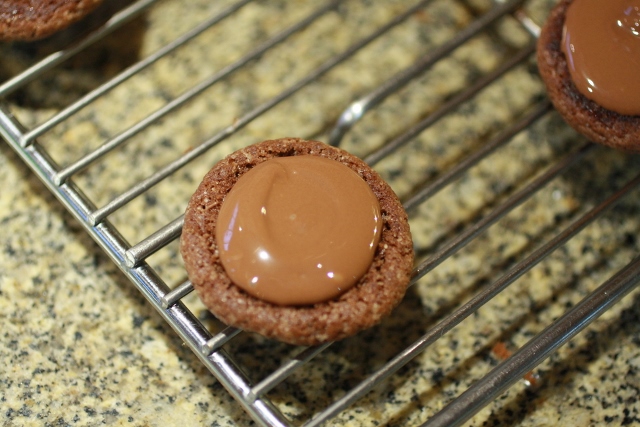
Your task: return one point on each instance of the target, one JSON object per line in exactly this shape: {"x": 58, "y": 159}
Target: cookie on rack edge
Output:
{"x": 597, "y": 123}
{"x": 32, "y": 20}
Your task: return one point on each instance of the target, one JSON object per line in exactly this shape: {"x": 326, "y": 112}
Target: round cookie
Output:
{"x": 587, "y": 117}
{"x": 374, "y": 296}
{"x": 36, "y": 19}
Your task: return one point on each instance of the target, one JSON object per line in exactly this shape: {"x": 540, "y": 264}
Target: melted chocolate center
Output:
{"x": 298, "y": 230}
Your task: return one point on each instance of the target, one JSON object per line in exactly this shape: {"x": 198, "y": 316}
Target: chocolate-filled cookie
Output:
{"x": 35, "y": 19}
{"x": 599, "y": 124}
{"x": 373, "y": 296}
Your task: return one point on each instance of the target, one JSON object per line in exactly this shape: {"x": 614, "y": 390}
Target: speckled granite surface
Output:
{"x": 80, "y": 345}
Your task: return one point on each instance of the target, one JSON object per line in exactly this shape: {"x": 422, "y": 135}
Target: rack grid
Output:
{"x": 133, "y": 259}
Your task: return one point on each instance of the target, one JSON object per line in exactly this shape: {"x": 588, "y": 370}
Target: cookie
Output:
{"x": 597, "y": 123}
{"x": 373, "y": 297}
{"x": 35, "y": 19}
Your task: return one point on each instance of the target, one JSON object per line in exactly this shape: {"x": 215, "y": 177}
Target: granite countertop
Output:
{"x": 81, "y": 346}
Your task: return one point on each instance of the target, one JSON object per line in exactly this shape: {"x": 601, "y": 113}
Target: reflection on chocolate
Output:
{"x": 601, "y": 41}
{"x": 298, "y": 230}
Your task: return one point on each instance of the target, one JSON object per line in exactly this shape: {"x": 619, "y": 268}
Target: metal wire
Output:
{"x": 209, "y": 347}
{"x": 540, "y": 347}
{"x": 359, "y": 108}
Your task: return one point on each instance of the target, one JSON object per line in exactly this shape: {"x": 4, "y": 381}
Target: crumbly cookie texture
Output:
{"x": 587, "y": 117}
{"x": 376, "y": 294}
{"x": 35, "y": 19}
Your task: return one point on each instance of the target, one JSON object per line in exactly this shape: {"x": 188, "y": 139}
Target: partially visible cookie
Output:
{"x": 35, "y": 19}
{"x": 599, "y": 124}
{"x": 373, "y": 297}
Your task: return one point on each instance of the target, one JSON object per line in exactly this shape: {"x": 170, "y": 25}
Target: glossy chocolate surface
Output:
{"x": 298, "y": 230}
{"x": 601, "y": 41}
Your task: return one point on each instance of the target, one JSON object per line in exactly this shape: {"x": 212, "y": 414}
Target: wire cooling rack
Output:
{"x": 329, "y": 59}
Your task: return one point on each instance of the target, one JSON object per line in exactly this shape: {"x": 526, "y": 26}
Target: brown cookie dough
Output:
{"x": 587, "y": 117}
{"x": 36, "y": 19}
{"x": 373, "y": 297}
